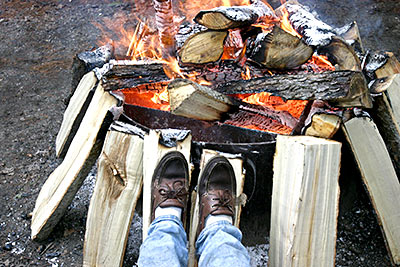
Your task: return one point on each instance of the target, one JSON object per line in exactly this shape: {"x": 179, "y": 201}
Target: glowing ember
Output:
{"x": 294, "y": 107}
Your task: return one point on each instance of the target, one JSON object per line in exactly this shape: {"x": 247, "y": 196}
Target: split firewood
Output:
{"x": 156, "y": 144}
{"x": 85, "y": 62}
{"x": 319, "y": 34}
{"x": 341, "y": 54}
{"x": 203, "y": 47}
{"x": 343, "y": 88}
{"x": 305, "y": 202}
{"x": 74, "y": 113}
{"x": 237, "y": 164}
{"x": 323, "y": 125}
{"x": 351, "y": 34}
{"x": 392, "y": 66}
{"x": 194, "y": 101}
{"x": 279, "y": 50}
{"x": 223, "y": 18}
{"x": 60, "y": 188}
{"x": 118, "y": 187}
{"x": 387, "y": 114}
{"x": 379, "y": 177}
{"x": 186, "y": 98}
{"x": 187, "y": 29}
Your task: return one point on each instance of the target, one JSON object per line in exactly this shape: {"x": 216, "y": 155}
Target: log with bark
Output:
{"x": 128, "y": 74}
{"x": 156, "y": 144}
{"x": 305, "y": 202}
{"x": 223, "y": 18}
{"x": 203, "y": 47}
{"x": 118, "y": 187}
{"x": 379, "y": 177}
{"x": 319, "y": 34}
{"x": 61, "y": 186}
{"x": 279, "y": 50}
{"x": 237, "y": 164}
{"x": 343, "y": 88}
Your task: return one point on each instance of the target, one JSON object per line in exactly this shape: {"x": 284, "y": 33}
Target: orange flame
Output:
{"x": 285, "y": 23}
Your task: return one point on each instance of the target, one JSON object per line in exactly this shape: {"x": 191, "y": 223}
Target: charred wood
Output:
{"x": 223, "y": 18}
{"x": 391, "y": 66}
{"x": 130, "y": 75}
{"x": 314, "y": 31}
{"x": 344, "y": 88}
{"x": 279, "y": 50}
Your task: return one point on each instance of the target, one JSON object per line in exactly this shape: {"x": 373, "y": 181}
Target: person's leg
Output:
{"x": 166, "y": 243}
{"x": 219, "y": 242}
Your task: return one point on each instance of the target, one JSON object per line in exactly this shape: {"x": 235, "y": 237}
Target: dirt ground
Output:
{"x": 38, "y": 42}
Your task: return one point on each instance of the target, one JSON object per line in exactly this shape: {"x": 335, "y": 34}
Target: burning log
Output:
{"x": 223, "y": 18}
{"x": 319, "y": 34}
{"x": 351, "y": 34}
{"x": 279, "y": 50}
{"x": 203, "y": 47}
{"x": 74, "y": 113}
{"x": 156, "y": 144}
{"x": 128, "y": 74}
{"x": 194, "y": 101}
{"x": 323, "y": 125}
{"x": 387, "y": 114}
{"x": 379, "y": 178}
{"x": 61, "y": 186}
{"x": 314, "y": 32}
{"x": 118, "y": 187}
{"x": 237, "y": 164}
{"x": 305, "y": 202}
{"x": 341, "y": 54}
{"x": 343, "y": 88}
{"x": 165, "y": 26}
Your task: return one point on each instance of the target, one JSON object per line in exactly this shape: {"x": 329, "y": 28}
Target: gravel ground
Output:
{"x": 38, "y": 42}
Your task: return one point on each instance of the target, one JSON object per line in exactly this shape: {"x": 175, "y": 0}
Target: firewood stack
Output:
{"x": 359, "y": 94}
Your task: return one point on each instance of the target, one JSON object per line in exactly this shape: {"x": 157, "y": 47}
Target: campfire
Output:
{"x": 240, "y": 79}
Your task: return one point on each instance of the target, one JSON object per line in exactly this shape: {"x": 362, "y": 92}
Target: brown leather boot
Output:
{"x": 170, "y": 183}
{"x": 217, "y": 190}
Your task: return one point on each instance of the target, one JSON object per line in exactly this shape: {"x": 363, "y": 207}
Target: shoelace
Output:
{"x": 177, "y": 191}
{"x": 224, "y": 199}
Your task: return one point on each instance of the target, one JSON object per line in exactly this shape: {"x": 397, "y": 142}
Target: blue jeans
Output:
{"x": 217, "y": 245}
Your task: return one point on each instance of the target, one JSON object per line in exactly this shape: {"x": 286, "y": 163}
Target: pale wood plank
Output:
{"x": 379, "y": 177}
{"x": 118, "y": 187}
{"x": 60, "y": 188}
{"x": 305, "y": 200}
{"x": 74, "y": 113}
